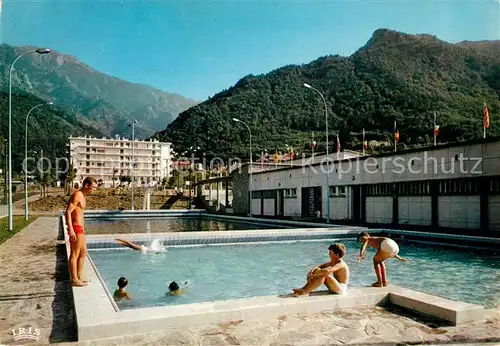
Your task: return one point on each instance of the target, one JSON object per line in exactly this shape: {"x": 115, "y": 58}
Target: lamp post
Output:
{"x": 133, "y": 173}
{"x": 26, "y": 159}
{"x": 250, "y": 170}
{"x": 5, "y": 169}
{"x": 327, "y": 156}
{"x": 39, "y": 51}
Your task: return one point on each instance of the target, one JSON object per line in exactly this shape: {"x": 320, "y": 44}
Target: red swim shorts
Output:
{"x": 78, "y": 229}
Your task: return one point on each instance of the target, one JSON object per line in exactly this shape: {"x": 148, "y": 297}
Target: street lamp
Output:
{"x": 250, "y": 170}
{"x": 39, "y": 51}
{"x": 26, "y": 159}
{"x": 327, "y": 156}
{"x": 133, "y": 177}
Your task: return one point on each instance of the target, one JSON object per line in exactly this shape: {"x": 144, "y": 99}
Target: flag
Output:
{"x": 276, "y": 157}
{"x": 338, "y": 144}
{"x": 396, "y": 132}
{"x": 436, "y": 130}
{"x": 365, "y": 142}
{"x": 486, "y": 120}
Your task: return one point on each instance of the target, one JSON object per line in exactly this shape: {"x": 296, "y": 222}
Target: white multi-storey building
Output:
{"x": 107, "y": 159}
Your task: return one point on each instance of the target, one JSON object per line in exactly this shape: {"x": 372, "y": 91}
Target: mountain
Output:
{"x": 394, "y": 76}
{"x": 48, "y": 129}
{"x": 101, "y": 101}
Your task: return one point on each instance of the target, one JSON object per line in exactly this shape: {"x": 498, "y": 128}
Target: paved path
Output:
{"x": 35, "y": 291}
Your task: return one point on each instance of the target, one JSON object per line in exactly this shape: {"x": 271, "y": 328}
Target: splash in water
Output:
{"x": 157, "y": 246}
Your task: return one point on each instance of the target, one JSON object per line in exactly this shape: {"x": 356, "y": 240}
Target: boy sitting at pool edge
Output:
{"x": 120, "y": 293}
{"x": 334, "y": 274}
{"x": 386, "y": 248}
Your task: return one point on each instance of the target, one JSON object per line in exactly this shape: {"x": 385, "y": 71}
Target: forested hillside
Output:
{"x": 395, "y": 76}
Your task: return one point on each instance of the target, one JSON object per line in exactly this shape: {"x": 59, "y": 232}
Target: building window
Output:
{"x": 342, "y": 191}
{"x": 290, "y": 193}
{"x": 333, "y": 190}
{"x": 269, "y": 194}
{"x": 459, "y": 187}
{"x": 256, "y": 194}
{"x": 374, "y": 190}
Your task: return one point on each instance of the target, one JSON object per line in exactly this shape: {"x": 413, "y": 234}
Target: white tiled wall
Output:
{"x": 415, "y": 210}
{"x": 268, "y": 206}
{"x": 459, "y": 211}
{"x": 292, "y": 206}
{"x": 379, "y": 209}
{"x": 341, "y": 207}
{"x": 256, "y": 206}
{"x": 494, "y": 213}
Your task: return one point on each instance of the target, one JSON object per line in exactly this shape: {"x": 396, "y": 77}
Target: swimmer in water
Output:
{"x": 156, "y": 248}
{"x": 174, "y": 289}
{"x": 120, "y": 293}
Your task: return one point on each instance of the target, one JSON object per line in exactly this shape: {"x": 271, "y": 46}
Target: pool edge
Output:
{"x": 96, "y": 318}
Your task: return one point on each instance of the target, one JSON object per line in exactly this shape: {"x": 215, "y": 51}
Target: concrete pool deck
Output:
{"x": 35, "y": 292}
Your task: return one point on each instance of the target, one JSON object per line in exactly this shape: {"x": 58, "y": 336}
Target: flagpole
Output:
{"x": 363, "y": 142}
{"x": 312, "y": 144}
{"x": 435, "y": 139}
{"x": 338, "y": 147}
{"x": 395, "y": 140}
{"x": 486, "y": 119}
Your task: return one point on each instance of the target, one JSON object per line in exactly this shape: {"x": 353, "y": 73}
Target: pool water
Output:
{"x": 169, "y": 224}
{"x": 241, "y": 271}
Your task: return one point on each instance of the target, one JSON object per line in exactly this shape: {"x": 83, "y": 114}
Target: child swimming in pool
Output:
{"x": 120, "y": 293}
{"x": 155, "y": 246}
{"x": 174, "y": 289}
{"x": 386, "y": 248}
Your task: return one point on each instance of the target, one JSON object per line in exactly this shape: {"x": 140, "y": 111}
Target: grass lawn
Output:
{"x": 19, "y": 224}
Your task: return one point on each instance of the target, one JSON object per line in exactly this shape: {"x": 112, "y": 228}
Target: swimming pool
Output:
{"x": 170, "y": 224}
{"x": 242, "y": 271}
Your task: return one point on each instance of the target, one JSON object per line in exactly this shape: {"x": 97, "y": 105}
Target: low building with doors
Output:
{"x": 454, "y": 186}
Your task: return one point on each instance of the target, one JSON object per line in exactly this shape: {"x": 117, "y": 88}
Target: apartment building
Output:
{"x": 109, "y": 159}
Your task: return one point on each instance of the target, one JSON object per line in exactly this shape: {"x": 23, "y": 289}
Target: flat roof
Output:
{"x": 399, "y": 152}
{"x": 121, "y": 139}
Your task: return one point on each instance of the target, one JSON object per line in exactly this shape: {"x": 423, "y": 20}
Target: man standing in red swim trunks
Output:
{"x": 74, "y": 221}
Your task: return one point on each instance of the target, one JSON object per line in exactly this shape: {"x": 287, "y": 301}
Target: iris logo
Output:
{"x": 26, "y": 334}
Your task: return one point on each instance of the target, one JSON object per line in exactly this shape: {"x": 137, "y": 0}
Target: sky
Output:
{"x": 199, "y": 48}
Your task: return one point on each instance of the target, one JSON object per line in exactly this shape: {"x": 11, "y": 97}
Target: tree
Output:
{"x": 45, "y": 178}
{"x": 69, "y": 178}
{"x": 125, "y": 179}
{"x": 394, "y": 77}
{"x": 114, "y": 176}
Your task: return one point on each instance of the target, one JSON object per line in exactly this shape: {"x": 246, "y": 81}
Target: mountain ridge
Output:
{"x": 71, "y": 83}
{"x": 394, "y": 76}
